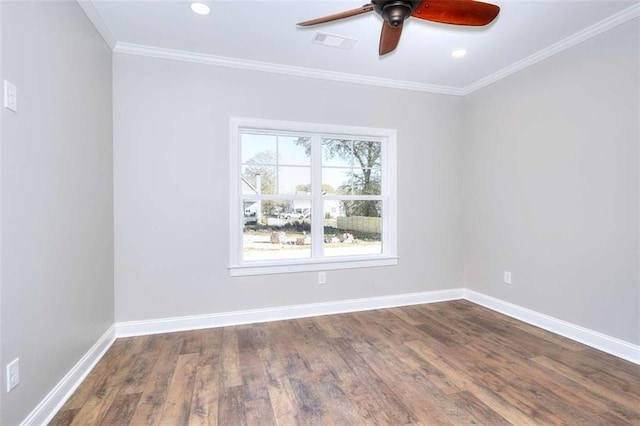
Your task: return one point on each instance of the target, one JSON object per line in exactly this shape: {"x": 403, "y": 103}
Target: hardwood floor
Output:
{"x": 437, "y": 364}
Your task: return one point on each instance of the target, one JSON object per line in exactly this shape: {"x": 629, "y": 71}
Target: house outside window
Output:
{"x": 308, "y": 196}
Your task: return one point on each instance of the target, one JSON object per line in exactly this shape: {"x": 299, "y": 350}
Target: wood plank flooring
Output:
{"x": 446, "y": 363}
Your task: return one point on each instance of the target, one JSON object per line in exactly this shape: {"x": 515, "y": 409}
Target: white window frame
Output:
{"x": 388, "y": 196}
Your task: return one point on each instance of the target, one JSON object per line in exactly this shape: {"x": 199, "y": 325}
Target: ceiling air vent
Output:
{"x": 333, "y": 40}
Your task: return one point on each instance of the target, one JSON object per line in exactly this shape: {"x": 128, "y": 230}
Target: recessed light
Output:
{"x": 459, "y": 53}
{"x": 200, "y": 8}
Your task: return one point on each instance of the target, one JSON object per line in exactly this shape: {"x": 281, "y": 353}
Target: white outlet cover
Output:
{"x": 10, "y": 96}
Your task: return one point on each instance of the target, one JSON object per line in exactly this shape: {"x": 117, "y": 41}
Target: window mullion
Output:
{"x": 317, "y": 207}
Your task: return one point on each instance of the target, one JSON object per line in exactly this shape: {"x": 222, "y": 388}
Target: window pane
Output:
{"x": 352, "y": 228}
{"x": 336, "y": 181}
{"x": 258, "y": 180}
{"x": 258, "y": 149}
{"x": 294, "y": 180}
{"x": 294, "y": 151}
{"x": 367, "y": 153}
{"x": 367, "y": 181}
{"x": 337, "y": 152}
{"x": 281, "y": 231}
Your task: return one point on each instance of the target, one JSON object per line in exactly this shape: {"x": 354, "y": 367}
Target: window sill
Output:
{"x": 311, "y": 266}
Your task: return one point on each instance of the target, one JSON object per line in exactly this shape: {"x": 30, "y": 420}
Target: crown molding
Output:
{"x": 589, "y": 32}
{"x": 96, "y": 19}
{"x": 201, "y": 58}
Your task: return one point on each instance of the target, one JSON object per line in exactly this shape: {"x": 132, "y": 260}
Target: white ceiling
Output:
{"x": 265, "y": 31}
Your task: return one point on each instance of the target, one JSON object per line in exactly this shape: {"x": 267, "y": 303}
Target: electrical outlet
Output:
{"x": 322, "y": 277}
{"x": 507, "y": 277}
{"x": 13, "y": 374}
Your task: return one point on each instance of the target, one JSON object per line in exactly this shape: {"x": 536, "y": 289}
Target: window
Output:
{"x": 311, "y": 197}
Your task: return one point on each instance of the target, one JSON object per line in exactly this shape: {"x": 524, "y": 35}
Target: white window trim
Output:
{"x": 389, "y": 230}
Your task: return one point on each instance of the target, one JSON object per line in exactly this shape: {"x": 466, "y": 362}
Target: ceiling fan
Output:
{"x": 395, "y": 12}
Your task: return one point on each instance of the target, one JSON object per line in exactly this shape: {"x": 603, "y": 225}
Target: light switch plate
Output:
{"x": 10, "y": 96}
{"x": 13, "y": 374}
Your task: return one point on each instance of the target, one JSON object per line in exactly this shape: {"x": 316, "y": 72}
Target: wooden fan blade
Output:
{"x": 457, "y": 12}
{"x": 341, "y": 15}
{"x": 389, "y": 38}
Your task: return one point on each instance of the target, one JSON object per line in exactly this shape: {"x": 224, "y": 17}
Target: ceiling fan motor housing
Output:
{"x": 395, "y": 12}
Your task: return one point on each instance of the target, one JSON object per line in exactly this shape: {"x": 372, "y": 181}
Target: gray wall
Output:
{"x": 57, "y": 202}
{"x": 548, "y": 160}
{"x": 551, "y": 185}
{"x": 171, "y": 186}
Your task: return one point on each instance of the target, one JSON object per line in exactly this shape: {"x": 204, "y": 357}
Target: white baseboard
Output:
{"x": 608, "y": 344}
{"x": 45, "y": 411}
{"x": 611, "y": 345}
{"x": 55, "y": 399}
{"x": 166, "y": 325}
